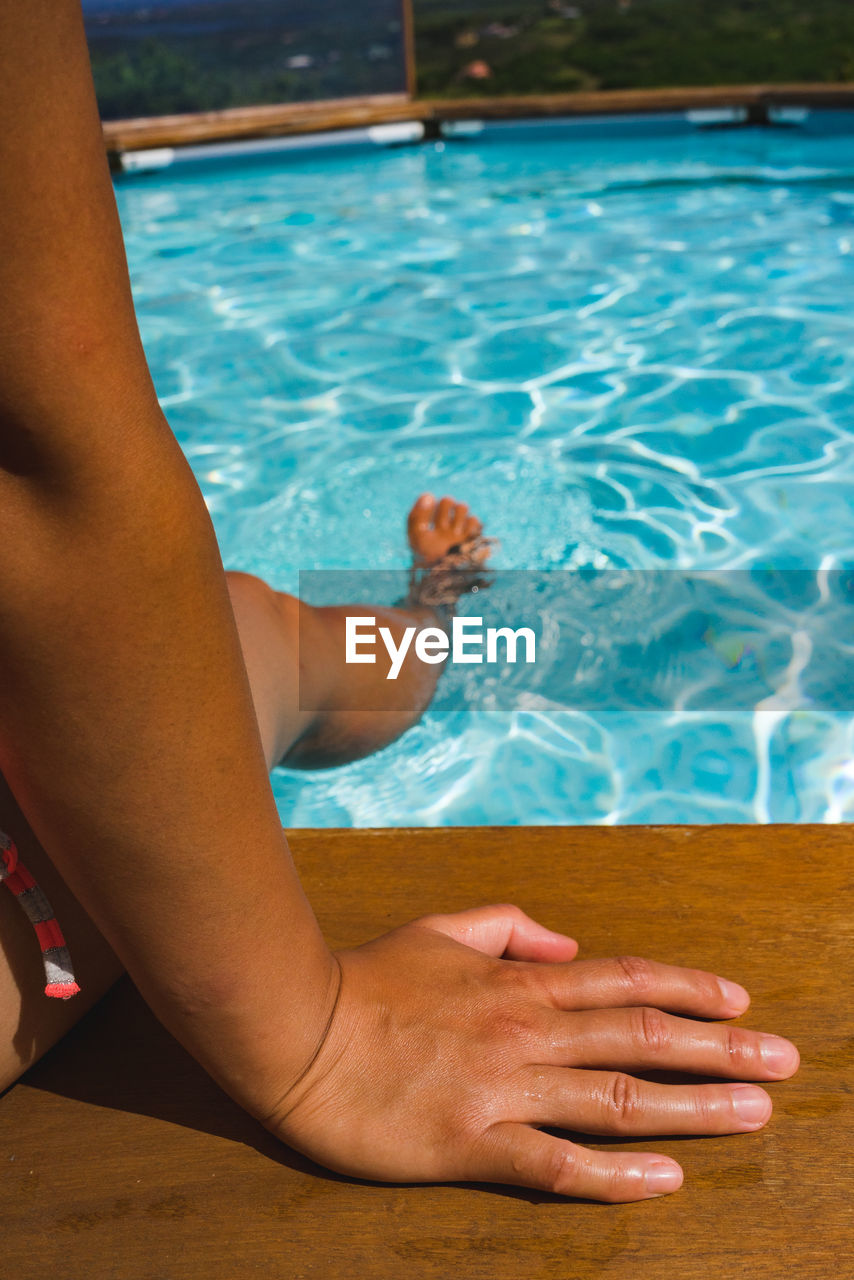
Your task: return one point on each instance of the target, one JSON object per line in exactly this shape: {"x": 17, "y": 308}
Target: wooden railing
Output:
{"x": 239, "y": 123}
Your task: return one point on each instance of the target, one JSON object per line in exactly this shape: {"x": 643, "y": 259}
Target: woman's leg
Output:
{"x": 315, "y": 710}
{"x": 269, "y": 627}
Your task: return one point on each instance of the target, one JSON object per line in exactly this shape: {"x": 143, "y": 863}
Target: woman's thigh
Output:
{"x": 30, "y": 1021}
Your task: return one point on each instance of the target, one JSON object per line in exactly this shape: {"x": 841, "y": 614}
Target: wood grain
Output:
{"x": 122, "y": 1160}
{"x": 284, "y": 119}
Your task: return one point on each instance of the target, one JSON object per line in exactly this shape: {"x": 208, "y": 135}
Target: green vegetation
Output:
{"x": 158, "y": 76}
{"x": 260, "y": 51}
{"x": 557, "y": 46}
{"x": 195, "y": 55}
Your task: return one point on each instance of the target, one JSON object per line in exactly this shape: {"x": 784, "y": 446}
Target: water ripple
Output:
{"x": 623, "y": 354}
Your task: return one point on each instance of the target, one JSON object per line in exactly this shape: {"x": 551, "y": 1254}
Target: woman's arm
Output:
{"x": 128, "y": 738}
{"x": 126, "y": 725}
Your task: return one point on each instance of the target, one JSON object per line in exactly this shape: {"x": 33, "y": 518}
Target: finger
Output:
{"x": 503, "y": 930}
{"x": 644, "y": 1038}
{"x": 613, "y": 1103}
{"x": 524, "y": 1157}
{"x": 632, "y": 980}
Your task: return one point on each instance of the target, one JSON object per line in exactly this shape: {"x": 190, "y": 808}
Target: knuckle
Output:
{"x": 510, "y": 911}
{"x": 637, "y": 971}
{"x": 561, "y": 1173}
{"x": 503, "y": 975}
{"x": 707, "y": 987}
{"x": 623, "y": 1101}
{"x": 739, "y": 1047}
{"x": 615, "y": 1188}
{"x": 705, "y": 1108}
{"x": 652, "y": 1030}
{"x": 515, "y": 1025}
{"x": 530, "y": 982}
{"x": 515, "y": 979}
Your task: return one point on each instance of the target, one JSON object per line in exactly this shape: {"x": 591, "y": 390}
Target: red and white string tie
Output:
{"x": 58, "y": 969}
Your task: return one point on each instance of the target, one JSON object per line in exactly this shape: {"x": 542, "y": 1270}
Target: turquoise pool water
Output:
{"x": 627, "y": 346}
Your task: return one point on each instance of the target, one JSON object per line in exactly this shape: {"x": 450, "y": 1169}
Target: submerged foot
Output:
{"x": 436, "y": 528}
{"x": 449, "y": 552}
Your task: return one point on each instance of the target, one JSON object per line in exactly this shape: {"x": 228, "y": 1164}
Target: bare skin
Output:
{"x": 434, "y": 527}
{"x": 591, "y": 1015}
{"x": 268, "y": 624}
{"x": 129, "y": 740}
{"x": 294, "y": 655}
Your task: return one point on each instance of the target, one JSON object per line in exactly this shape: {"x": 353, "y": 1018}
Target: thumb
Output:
{"x": 505, "y": 931}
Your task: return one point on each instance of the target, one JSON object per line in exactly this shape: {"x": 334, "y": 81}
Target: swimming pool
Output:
{"x": 626, "y": 344}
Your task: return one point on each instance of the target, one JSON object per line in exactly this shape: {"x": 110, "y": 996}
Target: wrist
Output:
{"x": 256, "y": 1035}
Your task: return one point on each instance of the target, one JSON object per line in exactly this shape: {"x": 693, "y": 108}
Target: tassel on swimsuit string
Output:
{"x": 58, "y": 969}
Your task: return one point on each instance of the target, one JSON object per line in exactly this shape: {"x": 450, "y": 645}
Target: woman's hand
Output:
{"x": 443, "y": 1060}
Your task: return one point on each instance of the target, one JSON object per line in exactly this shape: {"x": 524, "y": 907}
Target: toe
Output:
{"x": 445, "y": 515}
{"x": 421, "y": 515}
{"x": 473, "y": 528}
{"x": 461, "y": 515}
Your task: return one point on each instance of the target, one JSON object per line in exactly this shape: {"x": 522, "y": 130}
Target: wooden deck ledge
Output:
{"x": 123, "y": 1161}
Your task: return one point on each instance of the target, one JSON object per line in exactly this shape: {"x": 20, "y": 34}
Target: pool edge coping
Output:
{"x": 295, "y": 119}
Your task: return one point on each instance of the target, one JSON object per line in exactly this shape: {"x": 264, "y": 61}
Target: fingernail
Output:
{"x": 663, "y": 1177}
{"x": 752, "y": 1106}
{"x": 778, "y": 1055}
{"x": 735, "y": 997}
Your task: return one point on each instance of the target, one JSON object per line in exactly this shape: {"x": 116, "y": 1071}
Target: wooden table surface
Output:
{"x": 121, "y": 1159}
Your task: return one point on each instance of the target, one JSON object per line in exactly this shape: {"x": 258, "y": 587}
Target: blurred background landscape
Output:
{"x": 193, "y": 55}
{"x": 204, "y": 55}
